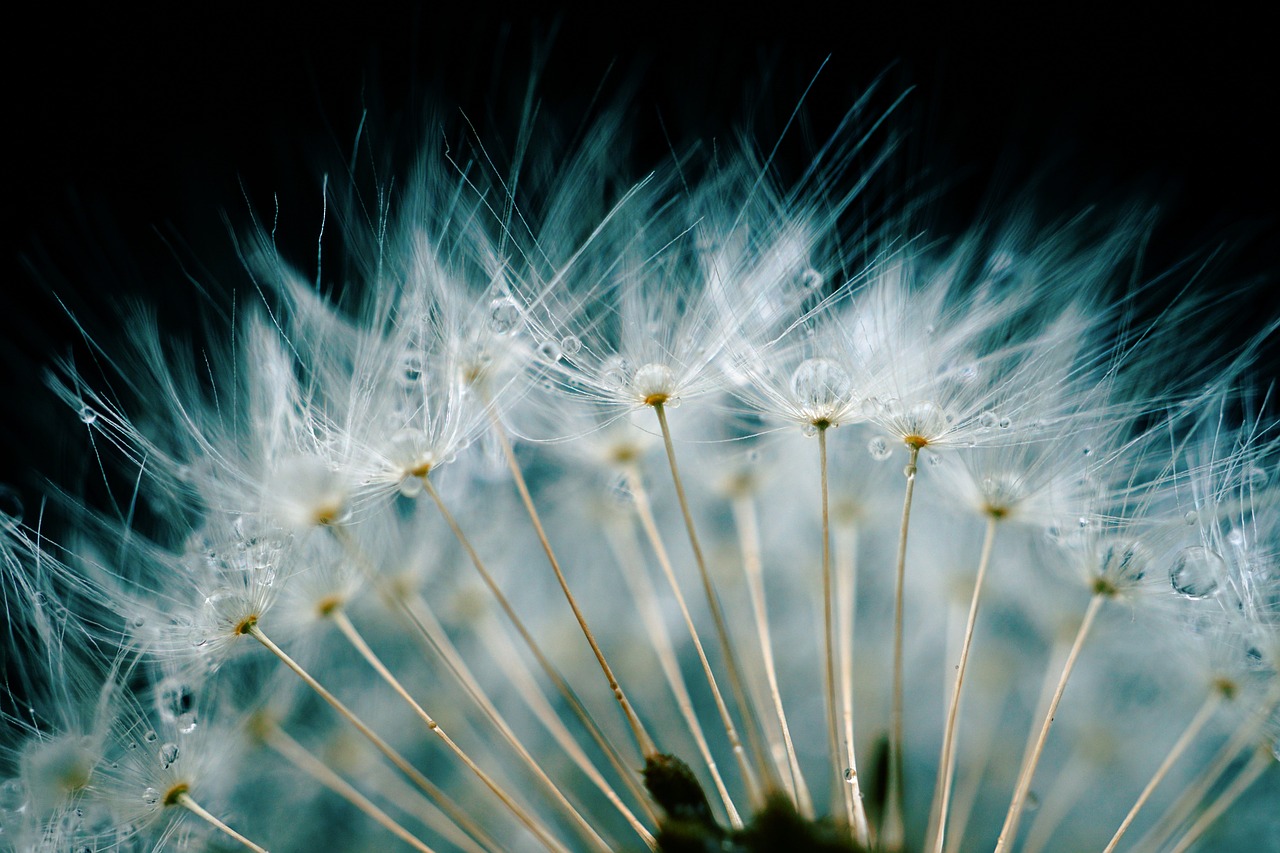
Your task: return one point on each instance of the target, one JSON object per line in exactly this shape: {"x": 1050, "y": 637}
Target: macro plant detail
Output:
{"x": 699, "y": 511}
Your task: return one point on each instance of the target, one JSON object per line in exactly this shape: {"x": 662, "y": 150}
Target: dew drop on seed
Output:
{"x": 879, "y": 449}
{"x": 150, "y": 796}
{"x": 1032, "y": 802}
{"x": 412, "y": 369}
{"x": 187, "y": 723}
{"x": 570, "y": 346}
{"x": 88, "y": 415}
{"x": 1195, "y": 572}
{"x": 549, "y": 351}
{"x": 811, "y": 279}
{"x": 1087, "y": 451}
{"x": 13, "y": 795}
{"x": 1192, "y": 517}
{"x": 10, "y": 508}
{"x": 411, "y": 486}
{"x": 150, "y": 736}
{"x": 987, "y": 420}
{"x": 1083, "y": 522}
{"x": 820, "y": 384}
{"x": 809, "y": 430}
{"x": 614, "y": 372}
{"x": 653, "y": 378}
{"x": 849, "y": 775}
{"x": 1005, "y": 423}
{"x": 176, "y": 698}
{"x": 504, "y": 315}
{"x": 40, "y": 599}
{"x": 168, "y": 755}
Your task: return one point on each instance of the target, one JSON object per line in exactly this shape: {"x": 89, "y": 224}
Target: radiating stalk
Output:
{"x": 1261, "y": 760}
{"x": 556, "y": 679}
{"x": 294, "y": 752}
{"x": 543, "y": 834}
{"x": 184, "y": 799}
{"x": 846, "y": 565}
{"x": 892, "y": 830}
{"x": 451, "y": 808}
{"x": 644, "y": 593}
{"x": 1197, "y": 791}
{"x": 416, "y": 611}
{"x": 643, "y": 741}
{"x": 946, "y": 763}
{"x": 745, "y": 519}
{"x": 1211, "y": 703}
{"x": 645, "y": 513}
{"x": 1010, "y": 828}
{"x": 713, "y": 602}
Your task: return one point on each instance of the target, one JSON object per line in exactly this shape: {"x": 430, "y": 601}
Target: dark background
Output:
{"x": 143, "y": 141}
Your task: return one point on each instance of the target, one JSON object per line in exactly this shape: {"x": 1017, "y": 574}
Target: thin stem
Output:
{"x": 1260, "y": 761}
{"x": 451, "y": 808}
{"x": 1010, "y": 829}
{"x": 713, "y": 602}
{"x": 1195, "y": 793}
{"x": 643, "y": 741}
{"x": 893, "y": 832}
{"x": 538, "y": 829}
{"x": 1072, "y": 780}
{"x": 1211, "y": 703}
{"x": 184, "y": 799}
{"x": 846, "y": 563}
{"x": 419, "y": 615}
{"x": 946, "y": 763}
{"x": 745, "y": 519}
{"x": 662, "y": 641}
{"x": 294, "y": 752}
{"x": 645, "y": 513}
{"x": 556, "y": 679}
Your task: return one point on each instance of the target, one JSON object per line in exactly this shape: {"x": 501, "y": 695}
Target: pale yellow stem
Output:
{"x": 451, "y": 808}
{"x": 643, "y": 741}
{"x": 1010, "y": 830}
{"x": 556, "y": 679}
{"x": 1211, "y": 703}
{"x": 646, "y": 597}
{"x": 1261, "y": 760}
{"x": 946, "y": 763}
{"x": 195, "y": 808}
{"x": 892, "y": 829}
{"x": 543, "y": 834}
{"x": 294, "y": 752}
{"x": 846, "y": 561}
{"x": 713, "y": 603}
{"x": 745, "y": 519}
{"x": 645, "y": 514}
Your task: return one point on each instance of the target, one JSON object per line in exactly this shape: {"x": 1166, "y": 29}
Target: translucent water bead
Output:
{"x": 1195, "y": 572}
{"x": 654, "y": 381}
{"x": 820, "y": 386}
{"x": 504, "y": 315}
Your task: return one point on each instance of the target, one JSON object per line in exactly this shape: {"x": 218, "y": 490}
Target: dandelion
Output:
{"x": 324, "y": 589}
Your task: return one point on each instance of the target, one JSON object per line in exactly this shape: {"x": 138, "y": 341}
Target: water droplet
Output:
{"x": 1195, "y": 572}
{"x": 1191, "y": 518}
{"x": 412, "y": 367}
{"x": 150, "y": 736}
{"x": 1083, "y": 521}
{"x": 10, "y": 508}
{"x": 549, "y": 351}
{"x": 850, "y": 776}
{"x": 176, "y": 699}
{"x": 654, "y": 379}
{"x": 150, "y": 796}
{"x": 411, "y": 486}
{"x": 40, "y": 599}
{"x": 820, "y": 386}
{"x": 570, "y": 345}
{"x": 504, "y": 315}
{"x": 1086, "y": 451}
{"x": 88, "y": 415}
{"x": 614, "y": 372}
{"x": 811, "y": 279}
{"x": 168, "y": 755}
{"x": 13, "y": 795}
{"x": 809, "y": 430}
{"x": 879, "y": 449}
{"x": 187, "y": 723}
{"x": 1005, "y": 423}
{"x": 987, "y": 420}
{"x": 1032, "y": 802}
